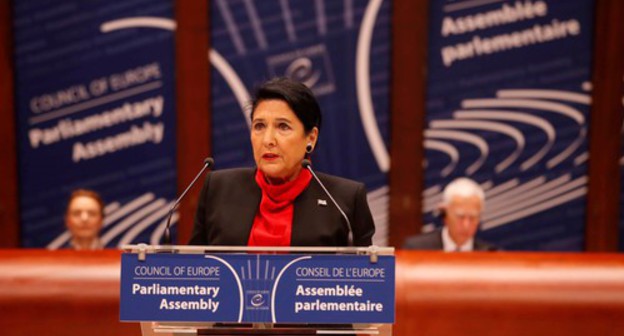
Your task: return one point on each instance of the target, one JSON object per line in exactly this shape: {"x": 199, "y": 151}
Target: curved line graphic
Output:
{"x": 231, "y": 27}
{"x": 234, "y": 82}
{"x": 449, "y": 150}
{"x": 362, "y": 82}
{"x": 568, "y": 151}
{"x": 138, "y": 22}
{"x": 428, "y": 227}
{"x": 144, "y": 224}
{"x": 543, "y": 201}
{"x": 489, "y": 126}
{"x": 546, "y": 94}
{"x": 277, "y": 280}
{"x": 238, "y": 282}
{"x": 537, "y": 208}
{"x": 378, "y": 193}
{"x": 348, "y": 14}
{"x": 288, "y": 22}
{"x": 321, "y": 19}
{"x": 464, "y": 137}
{"x": 159, "y": 231}
{"x": 300, "y": 69}
{"x": 128, "y": 222}
{"x": 432, "y": 203}
{"x": 59, "y": 240}
{"x": 254, "y": 20}
{"x": 432, "y": 197}
{"x": 487, "y": 185}
{"x": 501, "y": 188}
{"x": 538, "y": 122}
{"x": 378, "y": 200}
{"x": 502, "y": 199}
{"x": 111, "y": 207}
{"x": 584, "y": 157}
{"x": 128, "y": 208}
{"x": 565, "y": 110}
{"x": 523, "y": 194}
{"x": 432, "y": 191}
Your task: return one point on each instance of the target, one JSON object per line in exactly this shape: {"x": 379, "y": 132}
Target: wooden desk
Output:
{"x": 61, "y": 293}
{"x": 77, "y": 293}
{"x": 509, "y": 294}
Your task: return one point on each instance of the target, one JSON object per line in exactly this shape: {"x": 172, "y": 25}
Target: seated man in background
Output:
{"x": 84, "y": 219}
{"x": 463, "y": 201}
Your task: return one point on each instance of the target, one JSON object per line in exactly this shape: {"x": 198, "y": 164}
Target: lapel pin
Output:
{"x": 321, "y": 202}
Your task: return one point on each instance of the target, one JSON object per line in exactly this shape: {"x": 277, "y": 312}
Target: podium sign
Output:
{"x": 257, "y": 288}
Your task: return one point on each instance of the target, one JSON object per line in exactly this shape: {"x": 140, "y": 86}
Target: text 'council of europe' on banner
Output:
{"x": 95, "y": 109}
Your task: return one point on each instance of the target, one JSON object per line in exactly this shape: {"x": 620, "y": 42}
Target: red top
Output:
{"x": 272, "y": 225}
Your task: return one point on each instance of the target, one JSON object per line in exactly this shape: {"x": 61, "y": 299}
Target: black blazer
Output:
{"x": 433, "y": 241}
{"x": 230, "y": 199}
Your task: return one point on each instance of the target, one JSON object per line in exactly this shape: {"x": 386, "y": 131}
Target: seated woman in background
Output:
{"x": 278, "y": 203}
{"x": 84, "y": 219}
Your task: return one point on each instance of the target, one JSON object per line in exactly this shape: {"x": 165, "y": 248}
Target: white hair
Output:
{"x": 463, "y": 187}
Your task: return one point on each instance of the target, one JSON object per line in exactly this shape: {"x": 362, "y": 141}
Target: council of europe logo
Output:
{"x": 311, "y": 66}
{"x": 257, "y": 300}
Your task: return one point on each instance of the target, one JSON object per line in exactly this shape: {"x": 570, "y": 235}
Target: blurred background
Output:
{"x": 128, "y": 97}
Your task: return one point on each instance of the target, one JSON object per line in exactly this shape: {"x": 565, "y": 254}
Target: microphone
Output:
{"x": 208, "y": 162}
{"x": 308, "y": 165}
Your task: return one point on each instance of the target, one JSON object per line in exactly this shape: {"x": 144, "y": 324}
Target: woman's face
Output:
{"x": 279, "y": 140}
{"x": 84, "y": 217}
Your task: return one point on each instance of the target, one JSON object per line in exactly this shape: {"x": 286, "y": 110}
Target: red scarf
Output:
{"x": 272, "y": 225}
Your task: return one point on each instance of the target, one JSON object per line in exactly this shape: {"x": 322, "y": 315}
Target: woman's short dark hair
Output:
{"x": 299, "y": 98}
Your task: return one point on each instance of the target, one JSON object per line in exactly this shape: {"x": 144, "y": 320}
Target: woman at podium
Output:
{"x": 280, "y": 202}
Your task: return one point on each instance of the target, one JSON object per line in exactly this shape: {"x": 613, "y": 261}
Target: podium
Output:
{"x": 225, "y": 290}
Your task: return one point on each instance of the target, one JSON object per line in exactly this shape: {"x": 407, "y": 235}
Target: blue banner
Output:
{"x": 95, "y": 109}
{"x": 257, "y": 288}
{"x": 341, "y": 50}
{"x": 508, "y": 105}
